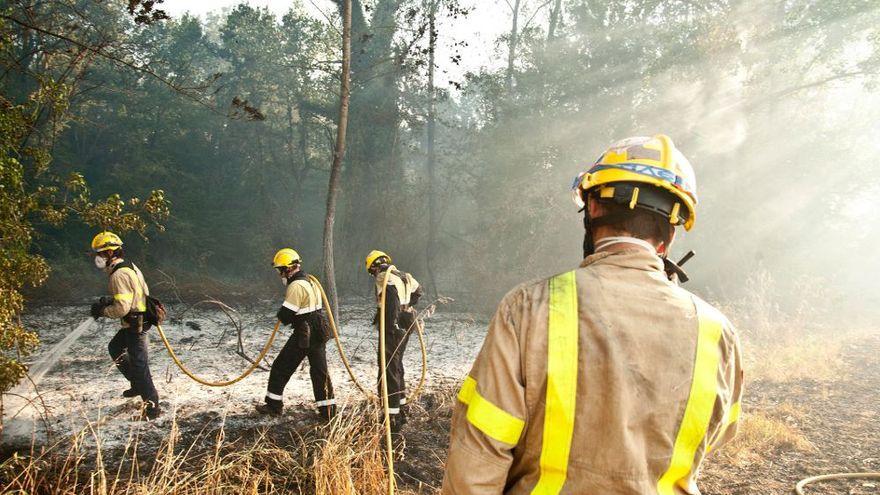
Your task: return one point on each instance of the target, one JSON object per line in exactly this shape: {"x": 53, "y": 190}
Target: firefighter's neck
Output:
{"x": 606, "y": 242}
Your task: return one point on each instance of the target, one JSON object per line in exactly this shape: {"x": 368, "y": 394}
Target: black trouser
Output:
{"x": 128, "y": 349}
{"x": 289, "y": 359}
{"x": 396, "y": 339}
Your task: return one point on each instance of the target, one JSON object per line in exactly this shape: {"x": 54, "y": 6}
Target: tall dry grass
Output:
{"x": 788, "y": 336}
{"x": 344, "y": 457}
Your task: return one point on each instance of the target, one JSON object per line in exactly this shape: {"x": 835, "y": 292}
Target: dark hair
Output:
{"x": 636, "y": 222}
{"x": 118, "y": 253}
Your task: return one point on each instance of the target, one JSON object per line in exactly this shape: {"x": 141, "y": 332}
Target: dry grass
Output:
{"x": 788, "y": 343}
{"x": 762, "y": 434}
{"x": 809, "y": 358}
{"x": 342, "y": 458}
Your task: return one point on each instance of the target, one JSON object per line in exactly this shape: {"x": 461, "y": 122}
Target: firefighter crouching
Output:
{"x": 303, "y": 310}
{"x": 128, "y": 301}
{"x": 402, "y": 294}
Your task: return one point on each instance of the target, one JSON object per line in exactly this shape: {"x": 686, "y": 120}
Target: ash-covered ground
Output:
{"x": 83, "y": 388}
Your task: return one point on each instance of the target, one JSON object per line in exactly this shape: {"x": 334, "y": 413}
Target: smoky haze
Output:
{"x": 774, "y": 103}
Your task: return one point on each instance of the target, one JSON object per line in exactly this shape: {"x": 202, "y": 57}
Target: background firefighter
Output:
{"x": 128, "y": 301}
{"x": 609, "y": 378}
{"x": 303, "y": 310}
{"x": 402, "y": 294}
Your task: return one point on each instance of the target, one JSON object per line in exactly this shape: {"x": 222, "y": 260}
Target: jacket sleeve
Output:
{"x": 416, "y": 291}
{"x": 730, "y": 391}
{"x": 286, "y": 315}
{"x": 122, "y": 290}
{"x": 490, "y": 414}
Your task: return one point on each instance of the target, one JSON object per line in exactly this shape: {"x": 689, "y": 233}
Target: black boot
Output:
{"x": 397, "y": 422}
{"x": 151, "y": 411}
{"x": 272, "y": 407}
{"x": 327, "y": 413}
{"x": 128, "y": 394}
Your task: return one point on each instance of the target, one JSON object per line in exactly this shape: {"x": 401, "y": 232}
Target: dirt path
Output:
{"x": 840, "y": 419}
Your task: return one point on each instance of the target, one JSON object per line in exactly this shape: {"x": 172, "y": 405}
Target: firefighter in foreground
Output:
{"x": 609, "y": 378}
{"x": 128, "y": 301}
{"x": 303, "y": 310}
{"x": 402, "y": 294}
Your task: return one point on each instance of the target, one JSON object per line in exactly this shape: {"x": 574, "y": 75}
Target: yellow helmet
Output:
{"x": 106, "y": 241}
{"x": 286, "y": 257}
{"x": 375, "y": 255}
{"x": 653, "y": 161}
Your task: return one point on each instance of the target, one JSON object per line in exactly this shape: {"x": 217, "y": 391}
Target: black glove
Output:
{"x": 97, "y": 310}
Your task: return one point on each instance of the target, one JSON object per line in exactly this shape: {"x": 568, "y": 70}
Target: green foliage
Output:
{"x": 32, "y": 193}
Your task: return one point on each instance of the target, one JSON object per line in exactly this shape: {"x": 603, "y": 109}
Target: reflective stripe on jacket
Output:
{"x": 609, "y": 379}
{"x": 301, "y": 296}
{"x": 129, "y": 290}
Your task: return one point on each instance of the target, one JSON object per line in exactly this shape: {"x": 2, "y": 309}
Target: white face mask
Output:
{"x": 100, "y": 262}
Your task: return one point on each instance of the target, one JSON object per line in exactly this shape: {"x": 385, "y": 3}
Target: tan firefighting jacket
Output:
{"x": 129, "y": 291}
{"x": 405, "y": 284}
{"x": 302, "y": 297}
{"x": 607, "y": 380}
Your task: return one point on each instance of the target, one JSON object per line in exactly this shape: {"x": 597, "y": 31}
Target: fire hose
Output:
{"x": 224, "y": 383}
{"x": 799, "y": 489}
{"x": 382, "y": 366}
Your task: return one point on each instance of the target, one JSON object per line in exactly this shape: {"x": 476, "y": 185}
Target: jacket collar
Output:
{"x": 300, "y": 275}
{"x": 634, "y": 258}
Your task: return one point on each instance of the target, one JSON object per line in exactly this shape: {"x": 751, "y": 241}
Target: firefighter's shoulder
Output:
{"x": 707, "y": 310}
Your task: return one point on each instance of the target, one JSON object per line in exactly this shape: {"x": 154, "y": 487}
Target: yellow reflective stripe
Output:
{"x": 139, "y": 289}
{"x": 733, "y": 415}
{"x": 487, "y": 417}
{"x": 701, "y": 402}
{"x": 562, "y": 370}
{"x": 123, "y": 297}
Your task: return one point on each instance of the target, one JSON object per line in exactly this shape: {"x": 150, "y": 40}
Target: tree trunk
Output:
{"x": 336, "y": 168}
{"x": 512, "y": 46}
{"x": 432, "y": 155}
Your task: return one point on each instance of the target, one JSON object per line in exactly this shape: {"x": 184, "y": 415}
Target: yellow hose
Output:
{"x": 225, "y": 383}
{"x": 799, "y": 489}
{"x": 383, "y": 379}
{"x": 370, "y": 395}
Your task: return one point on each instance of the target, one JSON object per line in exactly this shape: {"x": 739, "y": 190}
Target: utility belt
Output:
{"x": 135, "y": 321}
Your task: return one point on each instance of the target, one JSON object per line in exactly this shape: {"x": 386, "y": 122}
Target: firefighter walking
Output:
{"x": 128, "y": 302}
{"x": 303, "y": 310}
{"x": 402, "y": 294}
{"x": 609, "y": 378}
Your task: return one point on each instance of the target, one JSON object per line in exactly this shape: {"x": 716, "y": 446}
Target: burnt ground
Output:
{"x": 840, "y": 418}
